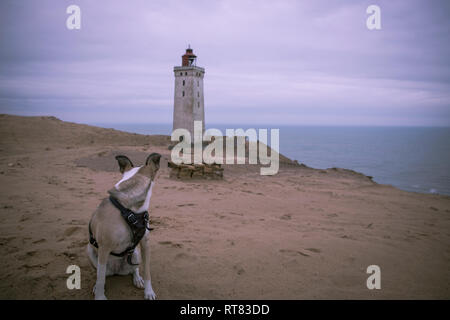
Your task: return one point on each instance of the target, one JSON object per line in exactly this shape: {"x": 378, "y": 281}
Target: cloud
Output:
{"x": 287, "y": 62}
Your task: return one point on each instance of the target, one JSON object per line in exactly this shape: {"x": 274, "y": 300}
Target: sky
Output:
{"x": 294, "y": 62}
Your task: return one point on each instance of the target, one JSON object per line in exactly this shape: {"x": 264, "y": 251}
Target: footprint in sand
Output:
{"x": 70, "y": 255}
{"x": 286, "y": 217}
{"x": 69, "y": 232}
{"x": 77, "y": 222}
{"x": 185, "y": 256}
{"x": 172, "y": 244}
{"x": 31, "y": 253}
{"x": 231, "y": 242}
{"x": 27, "y": 255}
{"x": 293, "y": 252}
{"x": 186, "y": 205}
{"x": 218, "y": 215}
{"x": 34, "y": 266}
{"x": 314, "y": 250}
{"x": 78, "y": 244}
{"x": 26, "y": 217}
{"x": 239, "y": 269}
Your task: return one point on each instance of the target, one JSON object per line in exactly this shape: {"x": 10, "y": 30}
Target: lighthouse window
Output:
{"x": 198, "y": 104}
{"x": 198, "y": 94}
{"x": 181, "y": 73}
{"x": 185, "y": 73}
{"x": 183, "y": 82}
{"x": 183, "y": 93}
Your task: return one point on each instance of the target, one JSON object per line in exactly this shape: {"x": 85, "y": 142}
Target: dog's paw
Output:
{"x": 138, "y": 281}
{"x": 98, "y": 296}
{"x": 149, "y": 294}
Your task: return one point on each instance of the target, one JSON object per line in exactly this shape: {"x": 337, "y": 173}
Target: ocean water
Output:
{"x": 410, "y": 158}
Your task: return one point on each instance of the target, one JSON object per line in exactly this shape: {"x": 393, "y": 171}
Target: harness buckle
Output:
{"x": 132, "y": 218}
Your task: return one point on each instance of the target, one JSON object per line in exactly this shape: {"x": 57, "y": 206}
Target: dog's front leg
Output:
{"x": 149, "y": 294}
{"x": 99, "y": 289}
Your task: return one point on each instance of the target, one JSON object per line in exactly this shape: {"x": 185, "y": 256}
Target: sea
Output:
{"x": 414, "y": 159}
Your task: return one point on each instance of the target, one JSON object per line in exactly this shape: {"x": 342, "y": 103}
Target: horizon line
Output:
{"x": 269, "y": 125}
{"x": 249, "y": 125}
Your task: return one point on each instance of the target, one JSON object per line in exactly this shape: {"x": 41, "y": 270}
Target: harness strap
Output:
{"x": 138, "y": 223}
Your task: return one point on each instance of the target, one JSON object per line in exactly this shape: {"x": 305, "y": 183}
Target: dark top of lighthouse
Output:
{"x": 188, "y": 59}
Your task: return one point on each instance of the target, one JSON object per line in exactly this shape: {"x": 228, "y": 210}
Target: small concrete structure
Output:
{"x": 195, "y": 171}
{"x": 189, "y": 105}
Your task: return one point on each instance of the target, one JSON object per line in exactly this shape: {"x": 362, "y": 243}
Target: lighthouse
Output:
{"x": 189, "y": 105}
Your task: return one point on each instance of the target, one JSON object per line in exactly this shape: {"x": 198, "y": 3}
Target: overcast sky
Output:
{"x": 267, "y": 62}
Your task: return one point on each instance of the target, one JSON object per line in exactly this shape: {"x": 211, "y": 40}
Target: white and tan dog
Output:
{"x": 112, "y": 233}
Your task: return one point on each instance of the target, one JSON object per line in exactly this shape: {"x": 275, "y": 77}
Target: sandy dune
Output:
{"x": 302, "y": 234}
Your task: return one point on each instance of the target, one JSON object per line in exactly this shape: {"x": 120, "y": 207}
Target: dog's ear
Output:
{"x": 153, "y": 158}
{"x": 125, "y": 164}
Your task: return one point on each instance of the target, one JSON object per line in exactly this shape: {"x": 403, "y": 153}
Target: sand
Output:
{"x": 301, "y": 234}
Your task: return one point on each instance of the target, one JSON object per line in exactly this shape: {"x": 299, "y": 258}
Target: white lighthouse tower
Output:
{"x": 189, "y": 105}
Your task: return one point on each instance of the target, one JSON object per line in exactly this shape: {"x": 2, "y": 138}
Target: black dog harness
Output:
{"x": 138, "y": 224}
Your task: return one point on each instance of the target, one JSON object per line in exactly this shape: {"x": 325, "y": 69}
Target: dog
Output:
{"x": 112, "y": 238}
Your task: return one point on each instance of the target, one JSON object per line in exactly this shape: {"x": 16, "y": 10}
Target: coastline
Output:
{"x": 302, "y": 234}
{"x": 408, "y": 158}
